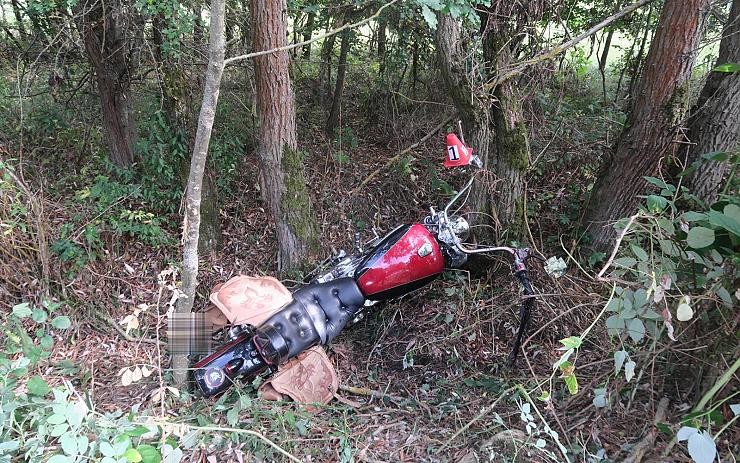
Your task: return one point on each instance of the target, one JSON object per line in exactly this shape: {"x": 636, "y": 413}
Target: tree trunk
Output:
{"x": 484, "y": 115}
{"x": 101, "y": 25}
{"x": 333, "y": 121}
{"x": 474, "y": 114}
{"x": 281, "y": 164}
{"x": 382, "y": 24}
{"x": 652, "y": 123}
{"x": 414, "y": 66}
{"x": 307, "y": 33}
{"x": 602, "y": 60}
{"x": 511, "y": 139}
{"x": 327, "y": 49}
{"x": 216, "y": 52}
{"x": 637, "y": 64}
{"x": 19, "y": 20}
{"x": 714, "y": 124}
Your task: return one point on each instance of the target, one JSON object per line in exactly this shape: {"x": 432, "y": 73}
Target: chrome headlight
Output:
{"x": 460, "y": 227}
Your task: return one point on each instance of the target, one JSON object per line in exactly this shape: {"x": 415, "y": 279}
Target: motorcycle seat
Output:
{"x": 316, "y": 315}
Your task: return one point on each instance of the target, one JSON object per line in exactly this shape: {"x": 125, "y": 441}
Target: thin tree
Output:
{"x": 103, "y": 26}
{"x": 216, "y": 52}
{"x": 659, "y": 106}
{"x": 714, "y": 124}
{"x": 281, "y": 164}
{"x": 333, "y": 121}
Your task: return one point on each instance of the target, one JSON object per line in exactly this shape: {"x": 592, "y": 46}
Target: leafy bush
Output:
{"x": 58, "y": 425}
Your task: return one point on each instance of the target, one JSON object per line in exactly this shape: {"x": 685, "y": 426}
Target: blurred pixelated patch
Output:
{"x": 190, "y": 334}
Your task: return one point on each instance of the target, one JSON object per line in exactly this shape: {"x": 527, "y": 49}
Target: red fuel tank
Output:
{"x": 406, "y": 259}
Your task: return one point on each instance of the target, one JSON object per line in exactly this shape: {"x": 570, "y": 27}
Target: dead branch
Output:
{"x": 38, "y": 211}
{"x": 552, "y": 53}
{"x": 398, "y": 157}
{"x": 233, "y": 59}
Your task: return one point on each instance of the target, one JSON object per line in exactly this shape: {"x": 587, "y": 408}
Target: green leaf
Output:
{"x": 149, "y": 454}
{"x": 628, "y": 262}
{"x": 636, "y": 329}
{"x": 715, "y": 156}
{"x": 666, "y": 225}
{"x": 22, "y": 310}
{"x": 733, "y": 211}
{"x": 727, "y": 222}
{"x": 692, "y": 216}
{"x": 640, "y": 298}
{"x": 573, "y": 342}
{"x": 82, "y": 444}
{"x": 725, "y": 296}
{"x": 39, "y": 315}
{"x": 664, "y": 428}
{"x": 61, "y": 322}
{"x": 702, "y": 447}
{"x": 429, "y": 16}
{"x": 639, "y": 252}
{"x": 572, "y": 382}
{"x": 619, "y": 358}
{"x": 658, "y": 182}
{"x": 614, "y": 325}
{"x": 56, "y": 418}
{"x": 727, "y": 67}
{"x": 232, "y": 416}
{"x": 138, "y": 431}
{"x": 107, "y": 450}
{"x": 69, "y": 443}
{"x": 132, "y": 455}
{"x": 76, "y": 413}
{"x": 60, "y": 459}
{"x": 37, "y": 386}
{"x": 700, "y": 237}
{"x": 656, "y": 203}
{"x": 629, "y": 370}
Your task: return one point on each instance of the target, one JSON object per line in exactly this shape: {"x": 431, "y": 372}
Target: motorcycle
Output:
{"x": 346, "y": 286}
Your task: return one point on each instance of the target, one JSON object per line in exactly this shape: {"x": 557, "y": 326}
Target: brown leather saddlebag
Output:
{"x": 308, "y": 378}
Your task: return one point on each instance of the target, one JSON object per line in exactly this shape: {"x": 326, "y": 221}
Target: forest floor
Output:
{"x": 435, "y": 358}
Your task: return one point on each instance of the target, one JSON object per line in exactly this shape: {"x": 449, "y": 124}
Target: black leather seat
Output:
{"x": 316, "y": 315}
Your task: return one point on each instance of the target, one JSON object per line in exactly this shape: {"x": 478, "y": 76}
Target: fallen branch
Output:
{"x": 484, "y": 412}
{"x": 621, "y": 236}
{"x": 398, "y": 157}
{"x": 306, "y": 42}
{"x": 106, "y": 318}
{"x": 552, "y": 53}
{"x": 641, "y": 448}
{"x": 369, "y": 393}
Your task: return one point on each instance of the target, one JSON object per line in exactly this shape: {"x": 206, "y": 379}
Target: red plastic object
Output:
{"x": 402, "y": 263}
{"x": 457, "y": 153}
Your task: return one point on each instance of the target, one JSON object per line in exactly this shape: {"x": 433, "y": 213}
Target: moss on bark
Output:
{"x": 296, "y": 203}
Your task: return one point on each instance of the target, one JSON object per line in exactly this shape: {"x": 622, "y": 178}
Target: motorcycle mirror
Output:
{"x": 458, "y": 154}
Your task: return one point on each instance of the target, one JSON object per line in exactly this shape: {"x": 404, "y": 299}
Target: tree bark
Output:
{"x": 177, "y": 103}
{"x": 333, "y": 121}
{"x": 602, "y": 59}
{"x": 637, "y": 64}
{"x": 327, "y": 50}
{"x": 101, "y": 25}
{"x": 216, "y": 52}
{"x": 474, "y": 113}
{"x": 652, "y": 123}
{"x": 281, "y": 164}
{"x": 714, "y": 124}
{"x": 382, "y": 24}
{"x": 493, "y": 122}
{"x": 307, "y": 33}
